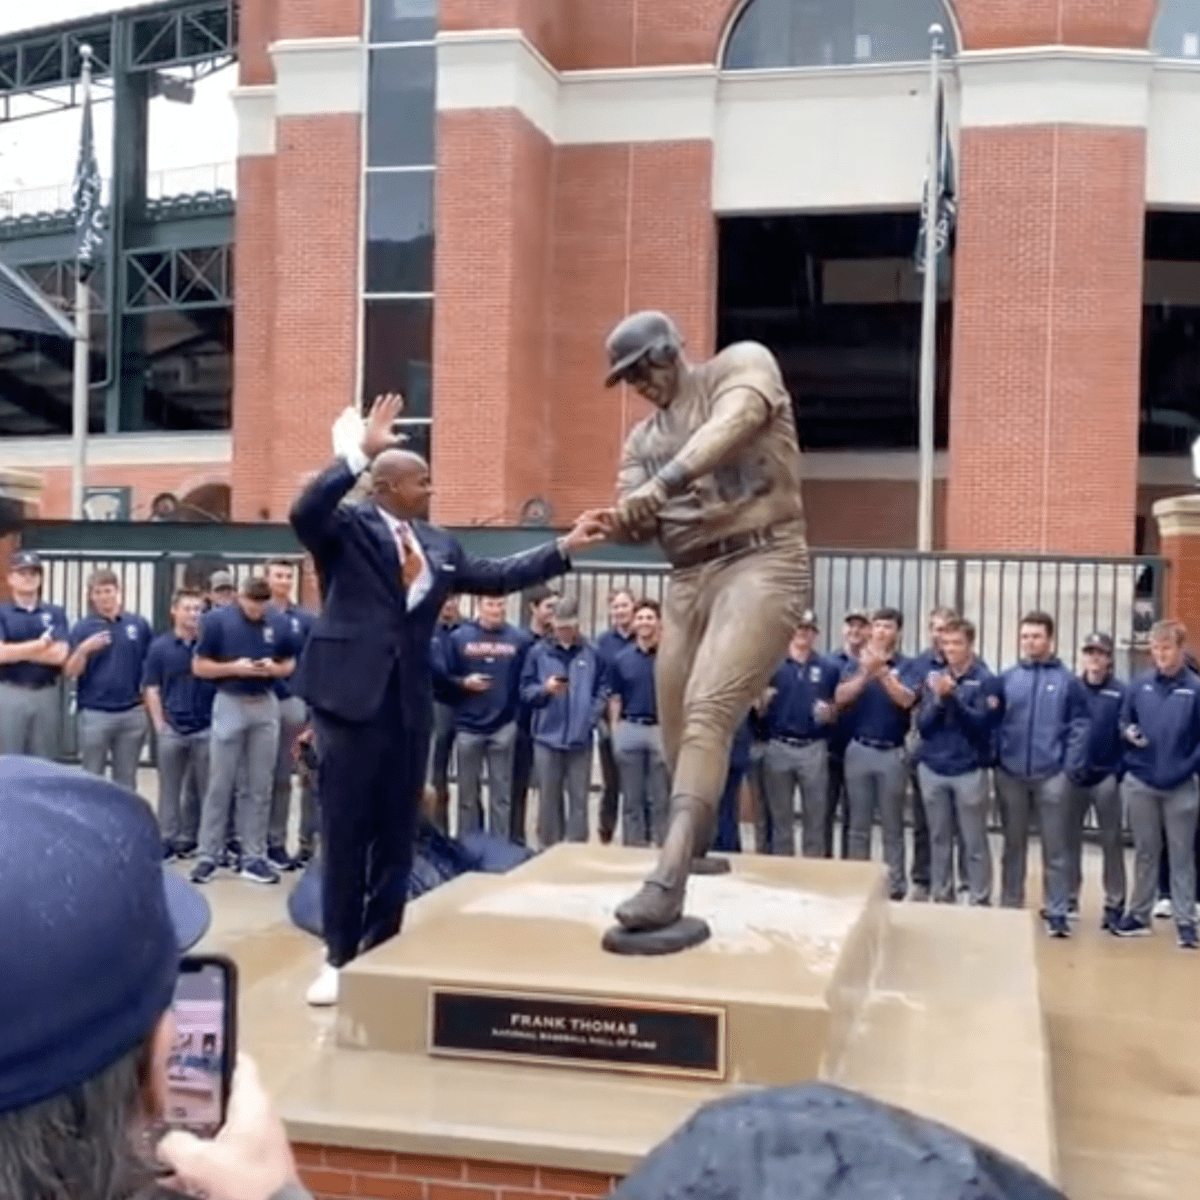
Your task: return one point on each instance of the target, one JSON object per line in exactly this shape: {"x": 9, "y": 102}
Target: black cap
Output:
{"x": 856, "y": 614}
{"x": 1098, "y": 641}
{"x": 93, "y": 927}
{"x": 256, "y": 588}
{"x": 25, "y": 560}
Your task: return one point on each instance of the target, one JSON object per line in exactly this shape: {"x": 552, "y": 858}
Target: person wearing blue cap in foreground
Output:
{"x": 91, "y": 932}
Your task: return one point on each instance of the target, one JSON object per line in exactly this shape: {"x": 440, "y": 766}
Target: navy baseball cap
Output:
{"x": 1098, "y": 641}
{"x": 91, "y": 927}
{"x": 25, "y": 560}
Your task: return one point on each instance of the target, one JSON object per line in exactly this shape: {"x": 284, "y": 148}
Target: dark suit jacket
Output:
{"x": 365, "y": 627}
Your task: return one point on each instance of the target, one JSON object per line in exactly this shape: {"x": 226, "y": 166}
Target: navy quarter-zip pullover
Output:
{"x": 1166, "y": 708}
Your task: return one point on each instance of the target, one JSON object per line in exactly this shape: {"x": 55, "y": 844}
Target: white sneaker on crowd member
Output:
{"x": 323, "y": 992}
{"x": 1163, "y": 909}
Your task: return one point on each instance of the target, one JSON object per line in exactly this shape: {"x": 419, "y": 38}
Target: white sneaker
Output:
{"x": 1162, "y": 909}
{"x": 323, "y": 992}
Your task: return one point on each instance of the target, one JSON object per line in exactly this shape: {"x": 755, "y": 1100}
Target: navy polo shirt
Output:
{"x": 874, "y": 717}
{"x": 227, "y": 634}
{"x": 798, "y": 686}
{"x": 611, "y": 644}
{"x": 27, "y": 625}
{"x": 632, "y": 679}
{"x": 112, "y": 679}
{"x": 300, "y": 624}
{"x": 187, "y": 701}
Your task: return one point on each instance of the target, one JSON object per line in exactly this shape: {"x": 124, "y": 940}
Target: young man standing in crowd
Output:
{"x": 486, "y": 657}
{"x": 800, "y": 717}
{"x": 1094, "y": 778}
{"x": 445, "y": 698}
{"x": 108, "y": 651}
{"x": 33, "y": 649}
{"x": 542, "y": 601}
{"x": 1043, "y": 720}
{"x": 293, "y": 720}
{"x": 222, "y": 591}
{"x": 563, "y": 685}
{"x": 855, "y": 631}
{"x": 180, "y": 708}
{"x": 612, "y": 642}
{"x": 930, "y": 659}
{"x": 637, "y": 739}
{"x": 1160, "y": 721}
{"x": 243, "y": 649}
{"x": 955, "y": 724}
{"x": 878, "y": 694}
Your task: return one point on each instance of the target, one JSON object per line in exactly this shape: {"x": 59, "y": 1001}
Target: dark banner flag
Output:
{"x": 947, "y": 193}
{"x": 89, "y": 215}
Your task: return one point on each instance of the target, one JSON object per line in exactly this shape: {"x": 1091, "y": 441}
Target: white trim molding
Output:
{"x": 255, "y": 111}
{"x": 319, "y": 76}
{"x": 1055, "y": 85}
{"x": 123, "y": 450}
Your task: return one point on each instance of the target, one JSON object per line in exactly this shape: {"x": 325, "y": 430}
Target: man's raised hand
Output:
{"x": 379, "y": 435}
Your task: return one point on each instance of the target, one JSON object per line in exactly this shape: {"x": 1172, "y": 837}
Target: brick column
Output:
{"x": 1048, "y": 279}
{"x": 1179, "y": 534}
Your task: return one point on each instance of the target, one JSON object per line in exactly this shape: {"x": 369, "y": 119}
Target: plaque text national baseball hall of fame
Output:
{"x": 614, "y": 1035}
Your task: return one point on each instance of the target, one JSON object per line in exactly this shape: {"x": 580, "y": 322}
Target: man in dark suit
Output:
{"x": 365, "y": 671}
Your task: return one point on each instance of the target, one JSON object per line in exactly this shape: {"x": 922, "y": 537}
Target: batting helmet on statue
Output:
{"x": 643, "y": 334}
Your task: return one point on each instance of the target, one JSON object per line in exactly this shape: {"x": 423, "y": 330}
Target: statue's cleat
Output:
{"x": 654, "y": 907}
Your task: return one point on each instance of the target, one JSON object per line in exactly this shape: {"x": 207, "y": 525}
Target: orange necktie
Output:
{"x": 410, "y": 559}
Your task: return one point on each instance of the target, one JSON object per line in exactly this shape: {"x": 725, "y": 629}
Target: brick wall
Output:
{"x": 988, "y": 24}
{"x": 1047, "y": 340}
{"x": 146, "y": 480}
{"x": 333, "y": 1173}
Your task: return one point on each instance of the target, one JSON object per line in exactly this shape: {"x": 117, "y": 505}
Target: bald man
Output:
{"x": 365, "y": 671}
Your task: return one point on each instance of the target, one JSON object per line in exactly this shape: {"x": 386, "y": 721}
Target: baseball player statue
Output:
{"x": 714, "y": 474}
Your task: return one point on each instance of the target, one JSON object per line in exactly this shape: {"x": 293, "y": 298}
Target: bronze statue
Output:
{"x": 714, "y": 474}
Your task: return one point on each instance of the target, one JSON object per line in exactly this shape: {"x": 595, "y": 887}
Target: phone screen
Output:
{"x": 201, "y": 1061}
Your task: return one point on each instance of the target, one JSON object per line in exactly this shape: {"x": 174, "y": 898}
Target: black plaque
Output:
{"x": 656, "y": 1039}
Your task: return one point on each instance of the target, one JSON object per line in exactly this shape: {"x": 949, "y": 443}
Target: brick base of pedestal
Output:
{"x": 338, "y": 1173}
{"x": 1179, "y": 536}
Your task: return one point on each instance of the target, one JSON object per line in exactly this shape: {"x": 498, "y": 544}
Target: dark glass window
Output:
{"x": 400, "y": 111}
{"x": 818, "y": 33}
{"x": 398, "y": 351}
{"x": 1177, "y": 29}
{"x": 403, "y": 20}
{"x": 418, "y": 438}
{"x": 838, "y": 300}
{"x": 400, "y": 231}
{"x": 1170, "y": 400}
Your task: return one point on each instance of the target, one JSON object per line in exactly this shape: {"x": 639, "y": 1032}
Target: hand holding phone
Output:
{"x": 200, "y": 1065}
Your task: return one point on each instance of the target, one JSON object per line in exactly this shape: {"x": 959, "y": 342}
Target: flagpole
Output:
{"x": 928, "y": 383}
{"x": 81, "y": 372}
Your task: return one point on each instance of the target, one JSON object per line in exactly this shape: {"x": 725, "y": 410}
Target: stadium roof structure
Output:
{"x": 23, "y": 309}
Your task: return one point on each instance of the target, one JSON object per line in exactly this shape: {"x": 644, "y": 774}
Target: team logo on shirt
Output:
{"x": 47, "y": 620}
{"x": 295, "y": 625}
{"x": 268, "y": 635}
{"x": 131, "y": 632}
{"x": 814, "y": 674}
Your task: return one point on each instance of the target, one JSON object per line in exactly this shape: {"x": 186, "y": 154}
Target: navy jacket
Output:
{"x": 1100, "y": 753}
{"x": 565, "y": 721}
{"x": 956, "y": 729}
{"x": 365, "y": 630}
{"x": 444, "y": 691}
{"x": 1167, "y": 711}
{"x": 500, "y": 655}
{"x": 1043, "y": 719}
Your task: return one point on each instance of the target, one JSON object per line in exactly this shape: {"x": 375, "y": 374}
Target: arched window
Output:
{"x": 1177, "y": 29}
{"x": 824, "y": 33}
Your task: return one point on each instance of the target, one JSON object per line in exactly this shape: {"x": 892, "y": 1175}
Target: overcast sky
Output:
{"x": 41, "y": 150}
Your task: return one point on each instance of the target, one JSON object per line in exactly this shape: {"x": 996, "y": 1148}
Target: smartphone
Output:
{"x": 200, "y": 1066}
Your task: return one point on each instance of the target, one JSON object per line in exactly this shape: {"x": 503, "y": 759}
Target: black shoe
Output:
{"x": 186, "y": 850}
{"x": 279, "y": 858}
{"x": 204, "y": 871}
{"x": 1058, "y": 927}
{"x": 303, "y": 858}
{"x": 1112, "y": 919}
{"x": 1185, "y": 935}
{"x": 168, "y": 852}
{"x": 1130, "y": 926}
{"x": 258, "y": 870}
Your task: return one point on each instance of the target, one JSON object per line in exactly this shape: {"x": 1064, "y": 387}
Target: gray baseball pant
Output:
{"x": 878, "y": 778}
{"x": 645, "y": 783}
{"x": 1017, "y": 798}
{"x": 1105, "y": 798}
{"x": 1151, "y": 813}
{"x": 293, "y": 716}
{"x": 115, "y": 736}
{"x": 29, "y": 720}
{"x": 786, "y": 767}
{"x": 558, "y": 770}
{"x": 957, "y": 805}
{"x": 497, "y": 749}
{"x": 245, "y": 730}
{"x": 182, "y": 757}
